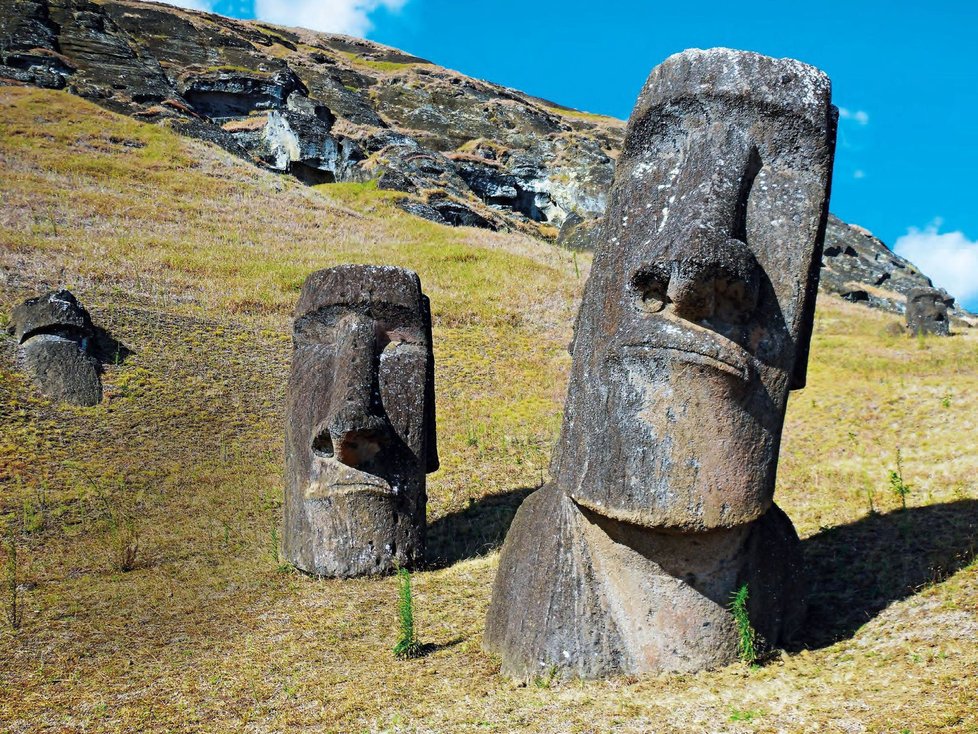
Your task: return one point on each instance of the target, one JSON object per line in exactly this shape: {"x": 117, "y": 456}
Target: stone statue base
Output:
{"x": 595, "y": 597}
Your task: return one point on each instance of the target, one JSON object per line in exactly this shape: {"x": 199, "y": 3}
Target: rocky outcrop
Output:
{"x": 860, "y": 268}
{"x": 328, "y": 108}
{"x": 324, "y": 108}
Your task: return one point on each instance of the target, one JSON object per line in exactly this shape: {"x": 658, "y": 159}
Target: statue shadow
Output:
{"x": 856, "y": 570}
{"x": 475, "y": 531}
{"x": 107, "y": 349}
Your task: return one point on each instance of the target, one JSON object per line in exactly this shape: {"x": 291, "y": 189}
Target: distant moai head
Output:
{"x": 697, "y": 316}
{"x": 927, "y": 311}
{"x": 360, "y": 433}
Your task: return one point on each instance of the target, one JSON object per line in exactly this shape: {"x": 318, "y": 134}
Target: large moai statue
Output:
{"x": 695, "y": 323}
{"x": 360, "y": 426}
{"x": 927, "y": 311}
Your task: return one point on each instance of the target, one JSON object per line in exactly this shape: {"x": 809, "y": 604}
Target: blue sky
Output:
{"x": 905, "y": 75}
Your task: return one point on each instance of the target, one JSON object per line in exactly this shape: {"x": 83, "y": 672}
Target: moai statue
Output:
{"x": 927, "y": 311}
{"x": 55, "y": 335}
{"x": 695, "y": 323}
{"x": 360, "y": 427}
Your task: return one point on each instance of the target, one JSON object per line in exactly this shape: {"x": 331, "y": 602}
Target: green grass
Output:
{"x": 193, "y": 260}
{"x": 383, "y": 66}
{"x": 407, "y": 643}
{"x": 746, "y": 636}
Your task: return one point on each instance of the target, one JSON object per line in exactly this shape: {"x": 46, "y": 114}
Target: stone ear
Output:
{"x": 431, "y": 432}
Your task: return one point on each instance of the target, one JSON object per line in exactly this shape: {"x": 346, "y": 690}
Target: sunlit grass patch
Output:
{"x": 193, "y": 260}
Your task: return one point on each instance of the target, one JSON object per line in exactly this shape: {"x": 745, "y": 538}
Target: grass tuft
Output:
{"x": 407, "y": 643}
{"x": 746, "y": 635}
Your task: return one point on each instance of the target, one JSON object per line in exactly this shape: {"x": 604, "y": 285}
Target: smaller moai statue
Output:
{"x": 54, "y": 333}
{"x": 360, "y": 425}
{"x": 927, "y": 311}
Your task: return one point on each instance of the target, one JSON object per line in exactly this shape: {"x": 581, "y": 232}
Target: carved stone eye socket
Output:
{"x": 651, "y": 292}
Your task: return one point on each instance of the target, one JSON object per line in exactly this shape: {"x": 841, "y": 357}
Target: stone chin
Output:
{"x": 702, "y": 463}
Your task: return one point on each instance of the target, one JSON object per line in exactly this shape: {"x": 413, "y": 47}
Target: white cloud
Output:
{"x": 950, "y": 259}
{"x": 351, "y": 17}
{"x": 206, "y": 5}
{"x": 861, "y": 117}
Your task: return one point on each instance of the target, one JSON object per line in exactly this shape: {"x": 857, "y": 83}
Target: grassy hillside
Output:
{"x": 193, "y": 261}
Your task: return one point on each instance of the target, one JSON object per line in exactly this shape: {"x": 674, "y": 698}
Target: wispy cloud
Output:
{"x": 860, "y": 117}
{"x": 351, "y": 17}
{"x": 949, "y": 258}
{"x": 858, "y": 174}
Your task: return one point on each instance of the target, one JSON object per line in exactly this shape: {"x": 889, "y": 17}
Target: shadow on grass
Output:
{"x": 856, "y": 570}
{"x": 475, "y": 531}
{"x": 107, "y": 349}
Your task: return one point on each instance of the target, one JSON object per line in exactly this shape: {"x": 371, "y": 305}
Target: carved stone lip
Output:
{"x": 320, "y": 490}
{"x": 728, "y": 358}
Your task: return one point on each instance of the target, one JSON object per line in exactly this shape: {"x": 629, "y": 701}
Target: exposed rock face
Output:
{"x": 54, "y": 332}
{"x": 328, "y": 108}
{"x": 860, "y": 268}
{"x": 360, "y": 431}
{"x": 927, "y": 311}
{"x": 323, "y": 107}
{"x": 694, "y": 325}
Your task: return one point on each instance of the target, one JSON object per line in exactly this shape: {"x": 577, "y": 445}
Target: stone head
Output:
{"x": 697, "y": 316}
{"x": 927, "y": 311}
{"x": 360, "y": 433}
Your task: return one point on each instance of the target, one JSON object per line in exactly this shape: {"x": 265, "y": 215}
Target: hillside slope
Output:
{"x": 193, "y": 259}
{"x": 329, "y": 108}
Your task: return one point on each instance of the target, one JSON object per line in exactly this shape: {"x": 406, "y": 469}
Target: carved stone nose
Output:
{"x": 354, "y": 446}
{"x": 691, "y": 291}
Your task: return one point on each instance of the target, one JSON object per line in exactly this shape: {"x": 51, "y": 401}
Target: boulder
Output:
{"x": 694, "y": 325}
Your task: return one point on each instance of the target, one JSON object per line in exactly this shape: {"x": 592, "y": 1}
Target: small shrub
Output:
{"x": 407, "y": 644}
{"x": 546, "y": 681}
{"x": 897, "y": 485}
{"x": 746, "y": 636}
{"x": 120, "y": 509}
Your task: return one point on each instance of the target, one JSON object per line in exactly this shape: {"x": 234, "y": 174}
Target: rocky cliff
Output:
{"x": 328, "y": 108}
{"x": 323, "y": 107}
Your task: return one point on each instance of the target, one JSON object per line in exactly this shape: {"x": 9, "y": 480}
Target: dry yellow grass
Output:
{"x": 193, "y": 259}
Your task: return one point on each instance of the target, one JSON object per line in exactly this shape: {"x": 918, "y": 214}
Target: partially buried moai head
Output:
{"x": 697, "y": 316}
{"x": 360, "y": 432}
{"x": 927, "y": 311}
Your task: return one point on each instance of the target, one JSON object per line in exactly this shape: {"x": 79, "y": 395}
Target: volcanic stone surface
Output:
{"x": 927, "y": 311}
{"x": 55, "y": 333}
{"x": 694, "y": 325}
{"x": 360, "y": 426}
{"x": 327, "y": 108}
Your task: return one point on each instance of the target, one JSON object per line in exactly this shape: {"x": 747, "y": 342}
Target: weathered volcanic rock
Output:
{"x": 694, "y": 325}
{"x": 62, "y": 369}
{"x": 230, "y": 82}
{"x": 54, "y": 332}
{"x": 927, "y": 311}
{"x": 360, "y": 427}
{"x": 487, "y": 155}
